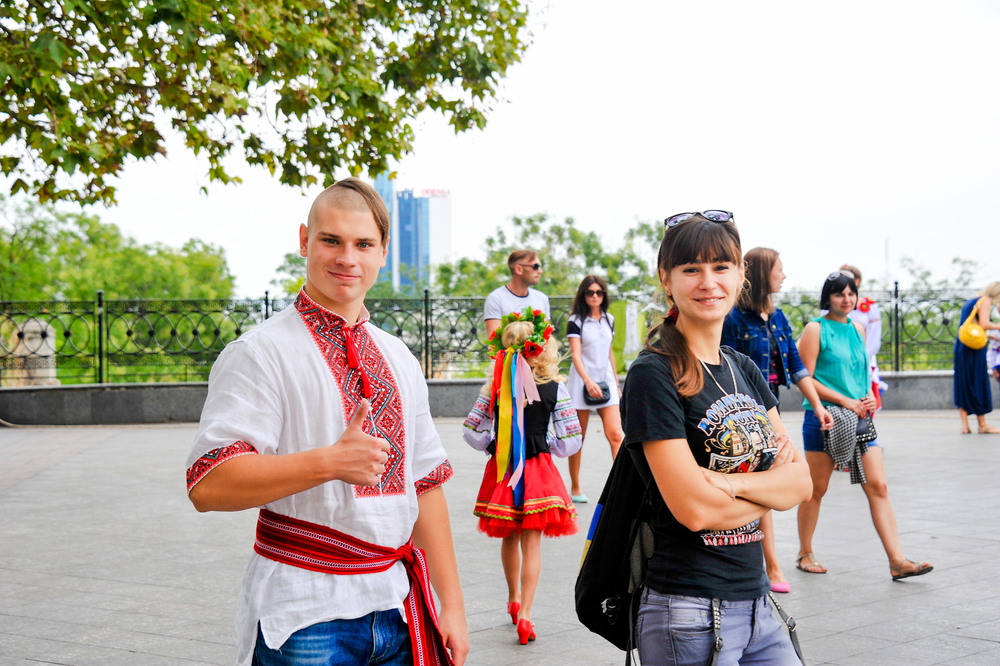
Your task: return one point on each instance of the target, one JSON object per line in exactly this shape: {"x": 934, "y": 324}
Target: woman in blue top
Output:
{"x": 759, "y": 329}
{"x": 972, "y": 376}
{"x": 833, "y": 350}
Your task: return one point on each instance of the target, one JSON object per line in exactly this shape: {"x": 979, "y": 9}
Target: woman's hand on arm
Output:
{"x": 693, "y": 501}
{"x": 255, "y": 480}
{"x": 786, "y": 484}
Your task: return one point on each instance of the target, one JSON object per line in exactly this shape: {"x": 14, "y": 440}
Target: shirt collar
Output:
{"x": 304, "y": 303}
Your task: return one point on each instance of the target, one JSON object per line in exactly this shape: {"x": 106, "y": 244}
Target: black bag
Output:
{"x": 619, "y": 545}
{"x": 866, "y": 429}
{"x": 605, "y": 395}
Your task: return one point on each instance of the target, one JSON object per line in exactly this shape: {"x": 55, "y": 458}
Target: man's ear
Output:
{"x": 385, "y": 251}
{"x": 303, "y": 240}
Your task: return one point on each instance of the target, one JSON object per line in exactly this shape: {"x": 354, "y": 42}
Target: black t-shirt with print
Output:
{"x": 728, "y": 432}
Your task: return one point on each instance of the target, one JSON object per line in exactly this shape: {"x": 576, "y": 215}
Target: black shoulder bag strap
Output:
{"x": 716, "y": 631}
{"x": 790, "y": 623}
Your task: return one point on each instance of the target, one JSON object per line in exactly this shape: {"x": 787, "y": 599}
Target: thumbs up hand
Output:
{"x": 359, "y": 458}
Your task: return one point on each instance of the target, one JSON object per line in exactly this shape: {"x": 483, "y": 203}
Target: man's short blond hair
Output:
{"x": 353, "y": 194}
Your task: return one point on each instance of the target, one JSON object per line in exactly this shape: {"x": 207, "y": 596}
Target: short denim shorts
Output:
{"x": 812, "y": 436}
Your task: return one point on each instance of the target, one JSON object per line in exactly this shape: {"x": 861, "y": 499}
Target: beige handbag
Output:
{"x": 970, "y": 333}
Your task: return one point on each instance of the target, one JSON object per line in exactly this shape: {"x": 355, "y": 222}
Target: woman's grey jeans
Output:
{"x": 677, "y": 631}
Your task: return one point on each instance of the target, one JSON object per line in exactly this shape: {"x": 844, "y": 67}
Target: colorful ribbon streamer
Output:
{"x": 517, "y": 389}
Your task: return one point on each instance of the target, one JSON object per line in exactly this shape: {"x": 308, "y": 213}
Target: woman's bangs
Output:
{"x": 706, "y": 243}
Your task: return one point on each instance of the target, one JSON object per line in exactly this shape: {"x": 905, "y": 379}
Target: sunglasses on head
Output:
{"x": 720, "y": 216}
{"x": 836, "y": 274}
{"x": 594, "y": 292}
{"x": 535, "y": 266}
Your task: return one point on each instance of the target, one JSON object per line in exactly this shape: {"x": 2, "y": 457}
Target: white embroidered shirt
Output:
{"x": 286, "y": 386}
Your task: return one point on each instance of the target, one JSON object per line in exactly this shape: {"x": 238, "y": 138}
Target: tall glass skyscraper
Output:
{"x": 415, "y": 219}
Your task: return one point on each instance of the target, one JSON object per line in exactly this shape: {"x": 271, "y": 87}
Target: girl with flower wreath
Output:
{"x": 523, "y": 496}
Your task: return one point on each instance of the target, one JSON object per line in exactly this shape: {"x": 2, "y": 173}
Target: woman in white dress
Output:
{"x": 590, "y": 331}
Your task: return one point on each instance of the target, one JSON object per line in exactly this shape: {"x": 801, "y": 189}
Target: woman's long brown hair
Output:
{"x": 757, "y": 298}
{"x": 696, "y": 240}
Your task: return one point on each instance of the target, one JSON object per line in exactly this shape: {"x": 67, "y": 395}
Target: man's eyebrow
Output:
{"x": 326, "y": 234}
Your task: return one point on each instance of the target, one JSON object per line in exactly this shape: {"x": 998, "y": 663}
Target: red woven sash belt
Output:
{"x": 317, "y": 548}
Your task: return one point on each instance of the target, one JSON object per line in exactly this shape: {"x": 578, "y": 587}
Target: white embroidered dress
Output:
{"x": 286, "y": 386}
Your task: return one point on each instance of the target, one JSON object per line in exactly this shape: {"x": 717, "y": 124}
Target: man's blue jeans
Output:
{"x": 677, "y": 631}
{"x": 377, "y": 639}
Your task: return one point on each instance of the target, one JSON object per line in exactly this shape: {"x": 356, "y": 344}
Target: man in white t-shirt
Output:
{"x": 525, "y": 272}
{"x": 322, "y": 419}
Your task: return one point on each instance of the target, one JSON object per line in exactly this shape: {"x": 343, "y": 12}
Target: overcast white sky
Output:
{"x": 826, "y": 128}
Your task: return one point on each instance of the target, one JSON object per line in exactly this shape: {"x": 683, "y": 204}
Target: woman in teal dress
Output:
{"x": 833, "y": 350}
{"x": 972, "y": 377}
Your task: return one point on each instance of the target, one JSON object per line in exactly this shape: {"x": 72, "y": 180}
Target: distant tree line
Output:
{"x": 50, "y": 254}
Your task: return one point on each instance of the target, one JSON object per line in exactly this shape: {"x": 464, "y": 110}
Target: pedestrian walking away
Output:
{"x": 972, "y": 373}
{"x": 525, "y": 273}
{"x": 523, "y": 496}
{"x": 701, "y": 416}
{"x": 833, "y": 350}
{"x": 321, "y": 418}
{"x": 593, "y": 380}
{"x": 759, "y": 329}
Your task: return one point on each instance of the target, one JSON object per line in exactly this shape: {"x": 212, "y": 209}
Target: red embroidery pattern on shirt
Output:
{"x": 442, "y": 473}
{"x": 213, "y": 459}
{"x": 386, "y": 413}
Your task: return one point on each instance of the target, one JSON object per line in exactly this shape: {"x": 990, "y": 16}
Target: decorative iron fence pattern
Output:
{"x": 101, "y": 341}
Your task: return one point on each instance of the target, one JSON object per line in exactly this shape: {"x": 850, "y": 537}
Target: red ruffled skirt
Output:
{"x": 547, "y": 506}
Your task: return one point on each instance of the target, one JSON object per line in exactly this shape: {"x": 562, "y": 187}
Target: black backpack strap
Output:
{"x": 790, "y": 623}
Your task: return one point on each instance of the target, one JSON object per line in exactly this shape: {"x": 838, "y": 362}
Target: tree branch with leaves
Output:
{"x": 300, "y": 87}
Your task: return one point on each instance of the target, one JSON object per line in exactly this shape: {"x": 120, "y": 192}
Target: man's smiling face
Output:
{"x": 344, "y": 252}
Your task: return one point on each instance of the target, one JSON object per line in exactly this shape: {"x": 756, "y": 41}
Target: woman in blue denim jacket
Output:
{"x": 760, "y": 330}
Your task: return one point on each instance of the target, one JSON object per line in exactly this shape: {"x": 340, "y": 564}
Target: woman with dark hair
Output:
{"x": 833, "y": 350}
{"x": 590, "y": 331}
{"x": 702, "y": 417}
{"x": 759, "y": 329}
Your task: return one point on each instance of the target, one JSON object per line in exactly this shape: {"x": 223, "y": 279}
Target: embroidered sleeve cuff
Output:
{"x": 479, "y": 419}
{"x": 442, "y": 473}
{"x": 214, "y": 458}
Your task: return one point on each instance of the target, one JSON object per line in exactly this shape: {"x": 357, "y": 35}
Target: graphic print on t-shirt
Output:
{"x": 738, "y": 439}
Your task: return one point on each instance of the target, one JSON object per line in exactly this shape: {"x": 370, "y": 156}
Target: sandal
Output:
{"x": 989, "y": 430}
{"x": 814, "y": 567}
{"x": 899, "y": 574}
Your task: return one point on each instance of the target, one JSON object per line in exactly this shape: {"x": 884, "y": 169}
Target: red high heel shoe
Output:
{"x": 525, "y": 631}
{"x": 513, "y": 607}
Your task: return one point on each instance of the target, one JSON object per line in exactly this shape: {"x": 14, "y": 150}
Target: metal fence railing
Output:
{"x": 100, "y": 341}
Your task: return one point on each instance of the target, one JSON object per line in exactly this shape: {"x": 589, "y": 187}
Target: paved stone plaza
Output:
{"x": 103, "y": 561}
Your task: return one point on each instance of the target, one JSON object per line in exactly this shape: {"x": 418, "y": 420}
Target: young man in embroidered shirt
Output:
{"x": 322, "y": 419}
{"x": 525, "y": 273}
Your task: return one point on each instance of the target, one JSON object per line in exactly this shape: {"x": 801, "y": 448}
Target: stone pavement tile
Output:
{"x": 988, "y": 631}
{"x": 54, "y": 651}
{"x": 989, "y": 657}
{"x": 912, "y": 627}
{"x": 835, "y": 622}
{"x": 838, "y": 646}
{"x": 876, "y": 658}
{"x": 933, "y": 649}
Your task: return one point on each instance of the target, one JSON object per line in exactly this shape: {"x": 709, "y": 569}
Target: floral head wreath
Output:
{"x": 535, "y": 344}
